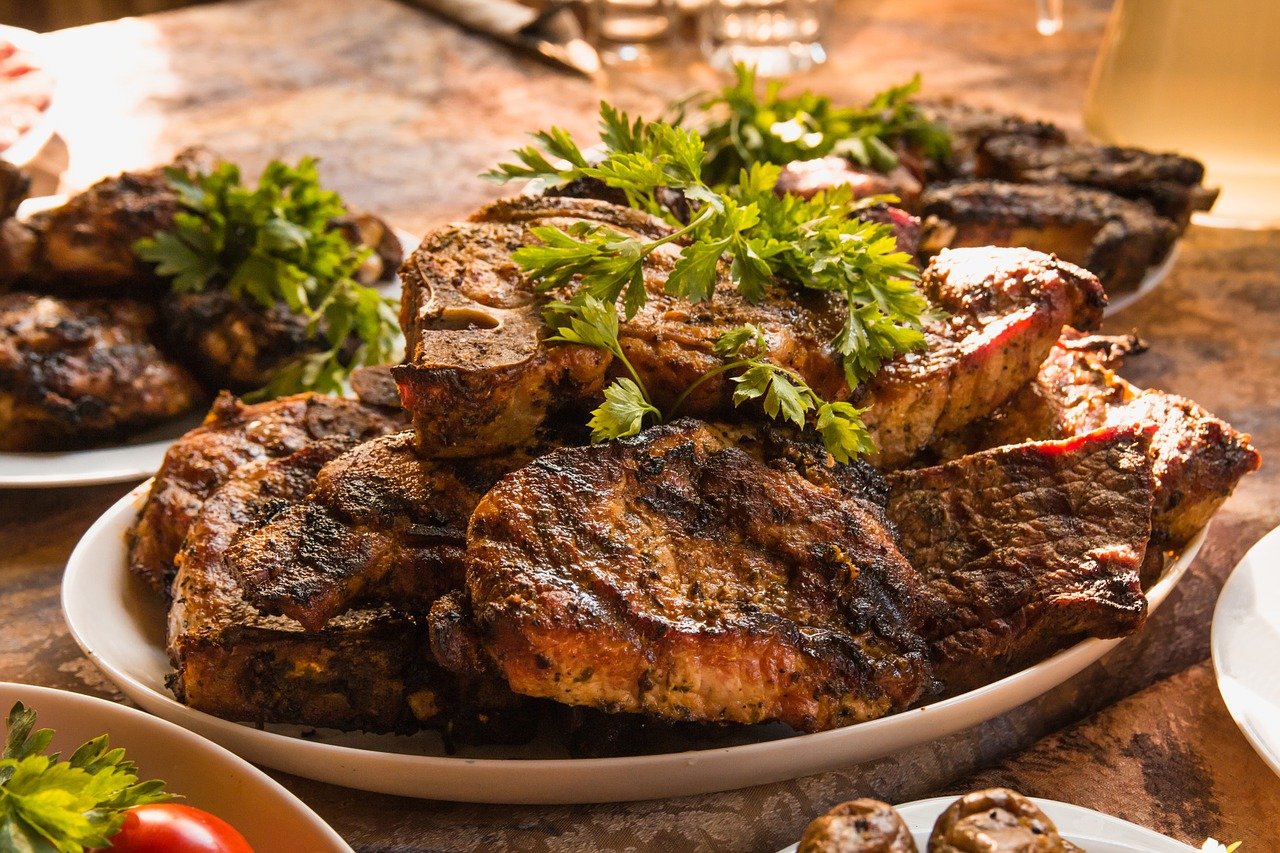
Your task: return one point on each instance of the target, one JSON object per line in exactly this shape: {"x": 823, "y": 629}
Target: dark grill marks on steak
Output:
{"x": 1197, "y": 458}
{"x": 233, "y": 434}
{"x": 480, "y": 377}
{"x": 381, "y": 522}
{"x": 1115, "y": 238}
{"x": 673, "y": 575}
{"x": 1005, "y": 307}
{"x": 1027, "y": 548}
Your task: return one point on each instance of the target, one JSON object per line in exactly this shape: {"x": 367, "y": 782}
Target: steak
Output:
{"x": 233, "y": 434}
{"x": 480, "y": 377}
{"x": 1197, "y": 458}
{"x": 675, "y": 575}
{"x": 380, "y": 522}
{"x": 369, "y": 668}
{"x": 80, "y": 371}
{"x": 1115, "y": 238}
{"x": 1027, "y": 549}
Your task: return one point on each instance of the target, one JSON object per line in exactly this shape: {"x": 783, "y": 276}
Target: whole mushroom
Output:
{"x": 858, "y": 826}
{"x": 996, "y": 821}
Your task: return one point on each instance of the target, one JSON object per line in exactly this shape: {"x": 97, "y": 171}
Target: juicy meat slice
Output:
{"x": 380, "y": 521}
{"x": 1005, "y": 308}
{"x": 673, "y": 575}
{"x": 1170, "y": 183}
{"x": 1027, "y": 548}
{"x": 233, "y": 434}
{"x": 1197, "y": 458}
{"x": 369, "y": 668}
{"x": 480, "y": 377}
{"x": 1115, "y": 238}
{"x": 75, "y": 372}
{"x": 806, "y": 178}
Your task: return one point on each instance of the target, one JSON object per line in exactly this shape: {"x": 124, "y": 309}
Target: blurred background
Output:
{"x": 47, "y": 15}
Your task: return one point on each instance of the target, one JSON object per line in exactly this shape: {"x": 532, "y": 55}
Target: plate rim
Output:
{"x": 947, "y": 716}
{"x": 1230, "y": 598}
{"x": 105, "y": 709}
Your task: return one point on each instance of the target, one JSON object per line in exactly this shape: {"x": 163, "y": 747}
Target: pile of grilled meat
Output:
{"x": 449, "y": 551}
{"x": 1012, "y": 182}
{"x": 93, "y": 345}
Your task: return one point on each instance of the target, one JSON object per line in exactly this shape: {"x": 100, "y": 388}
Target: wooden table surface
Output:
{"x": 405, "y": 111}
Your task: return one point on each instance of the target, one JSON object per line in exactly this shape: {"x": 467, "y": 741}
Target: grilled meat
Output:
{"x": 1197, "y": 458}
{"x": 971, "y": 127}
{"x": 806, "y": 178}
{"x": 674, "y": 575}
{"x": 1027, "y": 549}
{"x": 1170, "y": 183}
{"x": 73, "y": 372}
{"x": 858, "y": 826}
{"x": 479, "y": 376}
{"x": 1005, "y": 309}
{"x": 380, "y": 521}
{"x": 1115, "y": 238}
{"x": 14, "y": 184}
{"x": 233, "y": 434}
{"x": 369, "y": 668}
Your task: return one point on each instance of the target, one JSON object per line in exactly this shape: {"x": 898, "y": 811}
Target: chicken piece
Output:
{"x": 996, "y": 821}
{"x": 1027, "y": 549}
{"x": 1197, "y": 458}
{"x": 480, "y": 377}
{"x": 1005, "y": 308}
{"x": 858, "y": 826}
{"x": 233, "y": 434}
{"x": 17, "y": 242}
{"x": 379, "y": 521}
{"x": 1170, "y": 183}
{"x": 76, "y": 372}
{"x": 1116, "y": 239}
{"x": 368, "y": 669}
{"x": 674, "y": 575}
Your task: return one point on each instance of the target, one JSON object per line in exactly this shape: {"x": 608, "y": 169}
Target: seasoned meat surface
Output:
{"x": 675, "y": 575}
{"x": 380, "y": 521}
{"x": 1115, "y": 238}
{"x": 480, "y": 377}
{"x": 75, "y": 372}
{"x": 858, "y": 826}
{"x": 234, "y": 433}
{"x": 1197, "y": 458}
{"x": 1005, "y": 308}
{"x": 1027, "y": 548}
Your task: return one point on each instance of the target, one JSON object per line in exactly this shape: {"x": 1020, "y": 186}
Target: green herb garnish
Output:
{"x": 761, "y": 238}
{"x": 48, "y": 805}
{"x": 276, "y": 243}
{"x": 742, "y": 127}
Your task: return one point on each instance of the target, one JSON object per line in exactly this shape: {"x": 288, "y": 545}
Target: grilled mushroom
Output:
{"x": 996, "y": 820}
{"x": 858, "y": 826}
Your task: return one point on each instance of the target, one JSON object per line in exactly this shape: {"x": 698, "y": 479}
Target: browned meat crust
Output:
{"x": 1005, "y": 308}
{"x": 1115, "y": 238}
{"x": 232, "y": 434}
{"x": 673, "y": 575}
{"x": 480, "y": 378}
{"x": 1170, "y": 183}
{"x": 971, "y": 127}
{"x": 74, "y": 372}
{"x": 1027, "y": 548}
{"x": 858, "y": 826}
{"x": 380, "y": 521}
{"x": 1197, "y": 458}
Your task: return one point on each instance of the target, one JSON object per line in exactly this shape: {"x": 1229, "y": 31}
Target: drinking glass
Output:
{"x": 625, "y": 30}
{"x": 778, "y": 37}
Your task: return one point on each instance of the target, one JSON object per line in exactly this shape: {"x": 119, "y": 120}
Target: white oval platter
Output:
{"x": 120, "y": 625}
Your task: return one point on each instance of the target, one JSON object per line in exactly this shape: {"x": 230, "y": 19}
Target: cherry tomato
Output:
{"x": 175, "y": 828}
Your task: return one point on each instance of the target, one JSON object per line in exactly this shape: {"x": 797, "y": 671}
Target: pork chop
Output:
{"x": 1027, "y": 549}
{"x": 674, "y": 575}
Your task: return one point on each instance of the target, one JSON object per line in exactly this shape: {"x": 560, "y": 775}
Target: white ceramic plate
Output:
{"x": 120, "y": 625}
{"x": 1246, "y": 636}
{"x": 32, "y": 142}
{"x": 206, "y": 775}
{"x": 138, "y": 457}
{"x": 1093, "y": 831}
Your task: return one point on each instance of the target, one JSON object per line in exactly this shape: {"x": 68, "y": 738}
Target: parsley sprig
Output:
{"x": 741, "y": 126}
{"x": 745, "y": 232}
{"x": 275, "y": 243}
{"x": 50, "y": 805}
